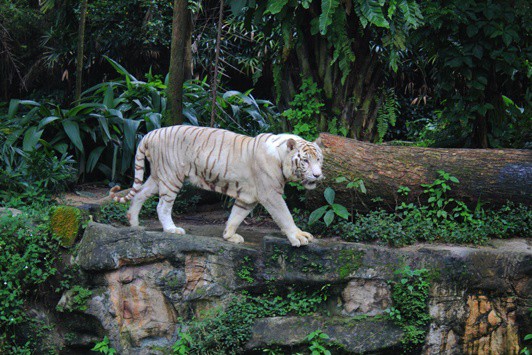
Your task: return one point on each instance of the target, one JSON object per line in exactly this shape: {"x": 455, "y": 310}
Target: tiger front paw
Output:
{"x": 175, "y": 230}
{"x": 235, "y": 238}
{"x": 300, "y": 238}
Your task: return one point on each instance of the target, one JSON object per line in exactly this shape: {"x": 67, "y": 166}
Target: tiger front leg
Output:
{"x": 164, "y": 209}
{"x": 239, "y": 212}
{"x": 280, "y": 213}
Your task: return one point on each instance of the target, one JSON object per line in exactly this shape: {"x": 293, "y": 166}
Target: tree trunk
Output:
{"x": 214, "y": 85}
{"x": 81, "y": 45}
{"x": 353, "y": 100}
{"x": 494, "y": 176}
{"x": 180, "y": 32}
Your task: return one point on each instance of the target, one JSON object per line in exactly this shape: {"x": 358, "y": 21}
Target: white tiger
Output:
{"x": 251, "y": 170}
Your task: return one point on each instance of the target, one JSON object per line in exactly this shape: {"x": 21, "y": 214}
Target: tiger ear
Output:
{"x": 291, "y": 144}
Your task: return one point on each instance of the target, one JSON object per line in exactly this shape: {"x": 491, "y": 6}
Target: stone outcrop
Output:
{"x": 146, "y": 284}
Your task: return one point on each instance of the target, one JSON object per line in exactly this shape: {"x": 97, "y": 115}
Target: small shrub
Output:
{"x": 328, "y": 211}
{"x": 114, "y": 212}
{"x": 103, "y": 347}
{"x": 183, "y": 345}
{"x": 246, "y": 270}
{"x": 77, "y": 300}
{"x": 32, "y": 177}
{"x": 317, "y": 343}
{"x": 305, "y": 109}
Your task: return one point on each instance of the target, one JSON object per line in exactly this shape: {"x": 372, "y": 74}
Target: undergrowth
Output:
{"x": 226, "y": 330}
{"x": 410, "y": 296}
{"x": 440, "y": 219}
{"x": 29, "y": 250}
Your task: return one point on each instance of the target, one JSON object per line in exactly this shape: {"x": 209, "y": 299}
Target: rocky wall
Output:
{"x": 146, "y": 284}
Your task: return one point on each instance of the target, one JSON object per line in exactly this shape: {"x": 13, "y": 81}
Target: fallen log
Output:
{"x": 494, "y": 176}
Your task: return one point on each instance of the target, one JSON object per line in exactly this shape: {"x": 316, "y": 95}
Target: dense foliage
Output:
{"x": 410, "y": 295}
{"x": 226, "y": 330}
{"x": 481, "y": 66}
{"x": 446, "y": 73}
{"x": 26, "y": 263}
{"x": 439, "y": 219}
{"x": 102, "y": 130}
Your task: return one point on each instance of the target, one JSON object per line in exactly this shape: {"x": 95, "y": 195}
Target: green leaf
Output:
{"x": 72, "y": 130}
{"x": 317, "y": 214}
{"x": 82, "y": 109}
{"x": 328, "y": 7}
{"x": 454, "y": 179}
{"x": 47, "y": 120}
{"x": 329, "y": 195}
{"x": 508, "y": 101}
{"x": 507, "y": 38}
{"x": 363, "y": 187}
{"x": 108, "y": 100}
{"x": 411, "y": 13}
{"x": 13, "y": 108}
{"x": 238, "y": 7}
{"x": 478, "y": 51}
{"x": 329, "y": 217}
{"x": 104, "y": 125}
{"x": 275, "y": 6}
{"x": 93, "y": 158}
{"x": 30, "y": 103}
{"x": 341, "y": 211}
{"x": 471, "y": 30}
{"x": 130, "y": 132}
{"x": 31, "y": 138}
{"x": 372, "y": 12}
{"x": 121, "y": 70}
{"x": 153, "y": 121}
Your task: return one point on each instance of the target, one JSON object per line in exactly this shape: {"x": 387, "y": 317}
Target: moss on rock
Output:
{"x": 349, "y": 260}
{"x": 65, "y": 222}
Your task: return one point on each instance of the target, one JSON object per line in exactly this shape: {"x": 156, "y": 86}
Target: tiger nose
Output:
{"x": 317, "y": 175}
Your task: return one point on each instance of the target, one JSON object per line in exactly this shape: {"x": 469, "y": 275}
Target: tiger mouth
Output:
{"x": 308, "y": 184}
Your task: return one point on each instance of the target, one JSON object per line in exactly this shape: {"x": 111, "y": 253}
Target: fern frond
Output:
{"x": 411, "y": 13}
{"x": 328, "y": 8}
{"x": 387, "y": 114}
{"x": 342, "y": 44}
{"x": 371, "y": 11}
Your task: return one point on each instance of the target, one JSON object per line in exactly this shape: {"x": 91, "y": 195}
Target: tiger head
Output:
{"x": 305, "y": 164}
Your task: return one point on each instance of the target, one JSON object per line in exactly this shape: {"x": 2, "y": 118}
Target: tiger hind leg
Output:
{"x": 148, "y": 189}
{"x": 239, "y": 212}
{"x": 167, "y": 196}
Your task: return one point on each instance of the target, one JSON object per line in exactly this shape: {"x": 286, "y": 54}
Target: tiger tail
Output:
{"x": 140, "y": 156}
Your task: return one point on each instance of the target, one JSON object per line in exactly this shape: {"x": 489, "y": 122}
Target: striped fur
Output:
{"x": 251, "y": 170}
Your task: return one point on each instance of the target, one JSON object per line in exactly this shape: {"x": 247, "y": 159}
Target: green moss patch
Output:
{"x": 349, "y": 260}
{"x": 65, "y": 222}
